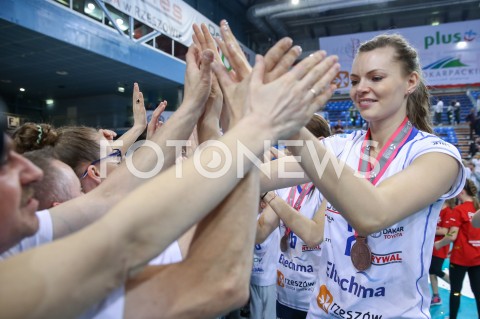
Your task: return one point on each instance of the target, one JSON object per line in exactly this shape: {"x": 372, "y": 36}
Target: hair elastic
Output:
{"x": 40, "y": 133}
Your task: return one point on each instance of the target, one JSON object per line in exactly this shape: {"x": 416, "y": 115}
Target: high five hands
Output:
{"x": 273, "y": 88}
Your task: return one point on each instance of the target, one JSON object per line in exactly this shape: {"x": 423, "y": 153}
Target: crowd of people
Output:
{"x": 93, "y": 227}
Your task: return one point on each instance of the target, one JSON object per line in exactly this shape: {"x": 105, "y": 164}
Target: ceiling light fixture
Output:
{"x": 62, "y": 72}
{"x": 295, "y": 2}
{"x": 22, "y": 90}
{"x": 49, "y": 102}
{"x": 435, "y": 23}
{"x": 121, "y": 89}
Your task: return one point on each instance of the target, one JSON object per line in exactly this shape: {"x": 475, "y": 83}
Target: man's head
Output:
{"x": 59, "y": 183}
{"x": 17, "y": 203}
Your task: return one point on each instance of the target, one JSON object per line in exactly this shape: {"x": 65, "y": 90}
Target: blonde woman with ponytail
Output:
{"x": 465, "y": 255}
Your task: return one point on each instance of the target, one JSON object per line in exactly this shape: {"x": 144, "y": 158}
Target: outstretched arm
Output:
{"x": 139, "y": 120}
{"x": 77, "y": 213}
{"x": 369, "y": 208}
{"x": 101, "y": 256}
{"x": 282, "y": 173}
{"x": 214, "y": 277}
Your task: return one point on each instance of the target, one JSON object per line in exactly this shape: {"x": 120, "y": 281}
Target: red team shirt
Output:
{"x": 442, "y": 222}
{"x": 466, "y": 248}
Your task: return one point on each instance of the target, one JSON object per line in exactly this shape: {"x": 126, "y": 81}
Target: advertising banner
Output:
{"x": 173, "y": 18}
{"x": 449, "y": 53}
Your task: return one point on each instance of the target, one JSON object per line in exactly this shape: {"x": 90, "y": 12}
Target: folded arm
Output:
{"x": 449, "y": 238}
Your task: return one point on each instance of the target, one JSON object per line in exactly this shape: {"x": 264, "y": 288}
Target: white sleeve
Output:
{"x": 43, "y": 236}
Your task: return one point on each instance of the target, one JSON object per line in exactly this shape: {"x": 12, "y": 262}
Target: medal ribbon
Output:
{"x": 387, "y": 153}
{"x": 305, "y": 189}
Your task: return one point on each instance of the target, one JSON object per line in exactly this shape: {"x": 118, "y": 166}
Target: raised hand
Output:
{"x": 208, "y": 125}
{"x": 139, "y": 112}
{"x": 230, "y": 47}
{"x": 154, "y": 124}
{"x": 204, "y": 40}
{"x": 290, "y": 101}
{"x": 232, "y": 93}
{"x": 198, "y": 76}
{"x": 278, "y": 60}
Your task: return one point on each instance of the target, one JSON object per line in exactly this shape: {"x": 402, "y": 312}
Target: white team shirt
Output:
{"x": 297, "y": 267}
{"x": 439, "y": 107}
{"x": 396, "y": 285}
{"x": 43, "y": 236}
{"x": 264, "y": 270}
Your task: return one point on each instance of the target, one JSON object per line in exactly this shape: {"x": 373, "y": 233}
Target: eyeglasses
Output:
{"x": 116, "y": 155}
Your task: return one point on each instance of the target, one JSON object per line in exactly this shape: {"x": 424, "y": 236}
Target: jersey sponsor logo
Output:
{"x": 351, "y": 286}
{"x": 325, "y": 301}
{"x": 470, "y": 215}
{"x": 257, "y": 270}
{"x": 306, "y": 248}
{"x": 280, "y": 279}
{"x": 324, "y": 298}
{"x": 297, "y": 285}
{"x": 294, "y": 266}
{"x": 332, "y": 209}
{"x": 330, "y": 218}
{"x": 440, "y": 143}
{"x": 474, "y": 243}
{"x": 385, "y": 259}
{"x": 389, "y": 233}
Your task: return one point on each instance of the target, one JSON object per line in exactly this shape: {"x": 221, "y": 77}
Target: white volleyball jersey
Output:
{"x": 264, "y": 270}
{"x": 298, "y": 266}
{"x": 396, "y": 284}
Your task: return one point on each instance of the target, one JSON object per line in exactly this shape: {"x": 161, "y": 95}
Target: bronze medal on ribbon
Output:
{"x": 360, "y": 254}
{"x": 284, "y": 243}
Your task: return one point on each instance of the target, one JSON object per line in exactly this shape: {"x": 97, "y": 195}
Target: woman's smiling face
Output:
{"x": 379, "y": 85}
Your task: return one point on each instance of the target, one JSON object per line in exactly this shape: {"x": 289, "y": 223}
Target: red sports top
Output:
{"x": 442, "y": 222}
{"x": 466, "y": 248}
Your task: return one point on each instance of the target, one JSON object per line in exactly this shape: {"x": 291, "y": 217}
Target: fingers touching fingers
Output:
{"x": 275, "y": 53}
{"x": 284, "y": 64}
{"x": 228, "y": 36}
{"x": 258, "y": 72}
{"x": 204, "y": 40}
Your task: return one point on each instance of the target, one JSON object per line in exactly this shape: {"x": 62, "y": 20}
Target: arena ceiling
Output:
{"x": 32, "y": 60}
{"x": 311, "y": 19}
